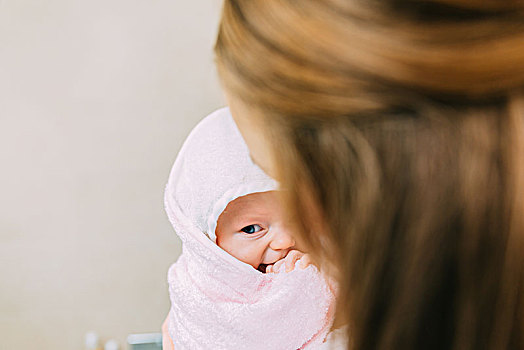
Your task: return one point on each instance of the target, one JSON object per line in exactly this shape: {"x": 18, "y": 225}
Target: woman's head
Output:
{"x": 396, "y": 128}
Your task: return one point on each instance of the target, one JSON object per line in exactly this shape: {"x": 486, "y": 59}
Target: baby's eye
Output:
{"x": 252, "y": 229}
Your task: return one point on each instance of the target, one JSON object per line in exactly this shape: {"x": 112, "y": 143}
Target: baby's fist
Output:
{"x": 304, "y": 260}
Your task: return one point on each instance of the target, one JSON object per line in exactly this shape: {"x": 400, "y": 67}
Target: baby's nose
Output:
{"x": 282, "y": 240}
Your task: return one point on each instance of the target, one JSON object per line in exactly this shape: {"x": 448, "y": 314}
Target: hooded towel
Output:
{"x": 218, "y": 301}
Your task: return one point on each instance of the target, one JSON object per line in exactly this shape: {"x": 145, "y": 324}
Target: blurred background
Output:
{"x": 96, "y": 98}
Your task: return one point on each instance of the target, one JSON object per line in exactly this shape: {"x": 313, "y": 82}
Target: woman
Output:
{"x": 397, "y": 129}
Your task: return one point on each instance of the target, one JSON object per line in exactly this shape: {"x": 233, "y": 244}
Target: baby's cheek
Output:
{"x": 248, "y": 254}
{"x": 243, "y": 251}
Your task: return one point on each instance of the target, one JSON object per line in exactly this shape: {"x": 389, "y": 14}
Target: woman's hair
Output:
{"x": 398, "y": 130}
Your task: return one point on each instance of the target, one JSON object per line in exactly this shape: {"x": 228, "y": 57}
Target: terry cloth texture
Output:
{"x": 217, "y": 301}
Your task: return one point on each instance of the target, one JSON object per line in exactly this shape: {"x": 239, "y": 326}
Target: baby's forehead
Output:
{"x": 265, "y": 204}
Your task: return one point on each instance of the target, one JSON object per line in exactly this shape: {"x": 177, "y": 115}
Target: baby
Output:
{"x": 252, "y": 230}
{"x": 235, "y": 285}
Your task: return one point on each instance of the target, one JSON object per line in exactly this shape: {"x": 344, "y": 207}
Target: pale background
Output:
{"x": 96, "y": 97}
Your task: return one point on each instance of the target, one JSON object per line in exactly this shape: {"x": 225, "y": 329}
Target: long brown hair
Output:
{"x": 398, "y": 131}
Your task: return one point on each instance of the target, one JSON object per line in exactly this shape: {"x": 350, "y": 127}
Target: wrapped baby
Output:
{"x": 240, "y": 282}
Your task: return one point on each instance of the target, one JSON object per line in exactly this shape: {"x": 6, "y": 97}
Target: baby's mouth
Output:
{"x": 262, "y": 267}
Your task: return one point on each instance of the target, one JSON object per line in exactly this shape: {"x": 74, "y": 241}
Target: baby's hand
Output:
{"x": 304, "y": 260}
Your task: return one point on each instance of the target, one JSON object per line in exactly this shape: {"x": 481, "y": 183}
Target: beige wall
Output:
{"x": 96, "y": 97}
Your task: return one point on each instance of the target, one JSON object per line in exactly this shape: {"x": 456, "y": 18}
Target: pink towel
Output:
{"x": 219, "y": 302}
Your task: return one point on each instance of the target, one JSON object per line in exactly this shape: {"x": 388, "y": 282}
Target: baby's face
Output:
{"x": 251, "y": 229}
